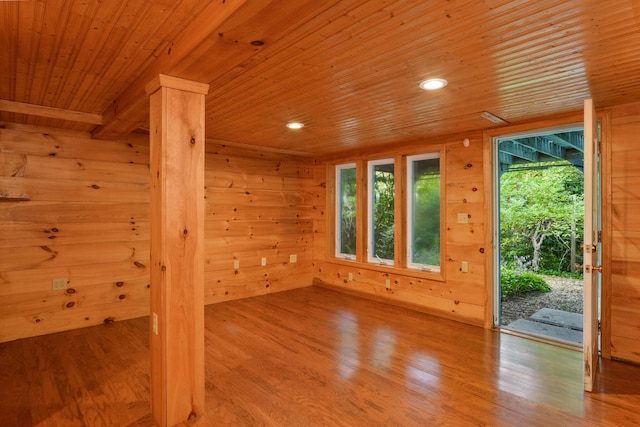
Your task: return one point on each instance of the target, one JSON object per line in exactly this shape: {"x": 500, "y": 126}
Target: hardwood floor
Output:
{"x": 317, "y": 357}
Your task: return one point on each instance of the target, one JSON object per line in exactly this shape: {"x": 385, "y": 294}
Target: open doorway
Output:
{"x": 539, "y": 217}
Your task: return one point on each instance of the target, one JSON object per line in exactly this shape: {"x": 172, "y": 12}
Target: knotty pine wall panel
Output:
{"x": 260, "y": 204}
{"x": 460, "y": 295}
{"x": 86, "y": 221}
{"x": 624, "y": 205}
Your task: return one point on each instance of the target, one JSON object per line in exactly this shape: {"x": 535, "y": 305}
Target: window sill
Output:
{"x": 391, "y": 269}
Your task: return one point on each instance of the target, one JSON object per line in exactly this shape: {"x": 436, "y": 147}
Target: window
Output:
{"x": 423, "y": 208}
{"x": 346, "y": 211}
{"x": 381, "y": 211}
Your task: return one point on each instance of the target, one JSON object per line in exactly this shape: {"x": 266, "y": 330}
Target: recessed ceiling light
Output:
{"x": 295, "y": 125}
{"x": 433, "y": 84}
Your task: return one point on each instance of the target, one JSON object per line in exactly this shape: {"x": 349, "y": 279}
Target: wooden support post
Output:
{"x": 177, "y": 249}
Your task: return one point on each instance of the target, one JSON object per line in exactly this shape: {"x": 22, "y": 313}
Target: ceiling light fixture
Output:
{"x": 493, "y": 118}
{"x": 295, "y": 125}
{"x": 433, "y": 84}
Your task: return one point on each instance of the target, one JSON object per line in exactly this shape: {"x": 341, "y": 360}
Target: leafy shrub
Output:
{"x": 514, "y": 282}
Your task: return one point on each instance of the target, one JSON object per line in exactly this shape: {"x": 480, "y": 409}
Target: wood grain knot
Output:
{"x": 70, "y": 304}
{"x": 71, "y": 291}
{"x": 119, "y": 284}
{"x": 109, "y": 320}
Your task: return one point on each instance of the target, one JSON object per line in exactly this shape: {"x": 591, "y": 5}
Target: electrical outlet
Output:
{"x": 463, "y": 218}
{"x": 387, "y": 284}
{"x": 351, "y": 277}
{"x": 464, "y": 266}
{"x": 155, "y": 323}
{"x": 293, "y": 258}
{"x": 59, "y": 284}
{"x": 263, "y": 262}
{"x": 236, "y": 264}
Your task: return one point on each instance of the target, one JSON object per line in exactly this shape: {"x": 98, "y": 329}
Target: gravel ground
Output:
{"x": 566, "y": 295}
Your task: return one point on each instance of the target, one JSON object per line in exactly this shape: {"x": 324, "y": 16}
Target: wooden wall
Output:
{"x": 622, "y": 191}
{"x": 259, "y": 205}
{"x": 461, "y": 296}
{"x": 87, "y": 220}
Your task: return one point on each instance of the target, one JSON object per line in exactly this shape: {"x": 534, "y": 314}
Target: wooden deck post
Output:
{"x": 177, "y": 248}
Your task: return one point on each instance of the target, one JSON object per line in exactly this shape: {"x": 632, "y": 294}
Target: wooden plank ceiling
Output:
{"x": 348, "y": 69}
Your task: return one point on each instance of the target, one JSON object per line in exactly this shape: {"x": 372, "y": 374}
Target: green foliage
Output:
{"x": 514, "y": 282}
{"x": 426, "y": 213}
{"x": 540, "y": 209}
{"x": 348, "y": 211}
{"x": 383, "y": 212}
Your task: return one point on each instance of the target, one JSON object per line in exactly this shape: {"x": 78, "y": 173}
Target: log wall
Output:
{"x": 458, "y": 295}
{"x": 87, "y": 221}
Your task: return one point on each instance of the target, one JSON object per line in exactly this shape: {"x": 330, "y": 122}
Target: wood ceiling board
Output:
{"x": 348, "y": 68}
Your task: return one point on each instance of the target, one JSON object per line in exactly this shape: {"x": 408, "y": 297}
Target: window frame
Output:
{"x": 409, "y": 211}
{"x": 370, "y": 199}
{"x": 338, "y": 212}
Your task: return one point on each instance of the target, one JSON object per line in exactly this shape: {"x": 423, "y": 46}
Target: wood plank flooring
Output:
{"x": 312, "y": 357}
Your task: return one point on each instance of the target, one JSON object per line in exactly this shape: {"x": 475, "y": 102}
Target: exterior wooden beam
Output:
{"x": 177, "y": 248}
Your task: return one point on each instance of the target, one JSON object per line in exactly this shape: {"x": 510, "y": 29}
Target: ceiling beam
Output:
{"x": 49, "y": 112}
{"x": 131, "y": 109}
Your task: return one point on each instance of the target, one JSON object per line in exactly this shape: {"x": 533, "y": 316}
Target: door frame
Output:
{"x": 495, "y": 216}
{"x": 490, "y": 188}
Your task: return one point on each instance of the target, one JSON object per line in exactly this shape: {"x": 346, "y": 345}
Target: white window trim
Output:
{"x": 409, "y": 192}
{"x": 370, "y": 165}
{"x": 338, "y": 213}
